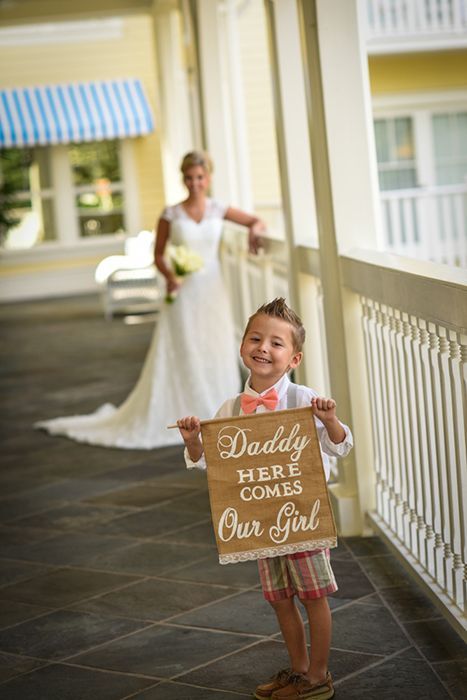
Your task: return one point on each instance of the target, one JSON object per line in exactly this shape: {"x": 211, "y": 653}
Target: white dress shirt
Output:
{"x": 304, "y": 396}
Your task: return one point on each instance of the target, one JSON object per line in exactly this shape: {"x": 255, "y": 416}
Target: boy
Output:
{"x": 271, "y": 347}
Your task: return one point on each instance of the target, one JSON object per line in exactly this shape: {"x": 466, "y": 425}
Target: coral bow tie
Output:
{"x": 249, "y": 403}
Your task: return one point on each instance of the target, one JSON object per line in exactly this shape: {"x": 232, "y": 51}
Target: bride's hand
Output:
{"x": 255, "y": 239}
{"x": 172, "y": 285}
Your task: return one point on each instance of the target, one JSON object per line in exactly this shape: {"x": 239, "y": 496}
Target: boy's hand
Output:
{"x": 189, "y": 427}
{"x": 325, "y": 410}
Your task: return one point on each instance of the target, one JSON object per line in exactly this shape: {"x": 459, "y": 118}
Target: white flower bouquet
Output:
{"x": 184, "y": 261}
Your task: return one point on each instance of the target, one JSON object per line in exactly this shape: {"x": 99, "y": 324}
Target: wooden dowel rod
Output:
{"x": 202, "y": 422}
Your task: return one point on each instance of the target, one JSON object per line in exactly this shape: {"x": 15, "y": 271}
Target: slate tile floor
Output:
{"x": 109, "y": 584}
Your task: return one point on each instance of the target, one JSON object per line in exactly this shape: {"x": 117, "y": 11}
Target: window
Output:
{"x": 423, "y": 191}
{"x": 450, "y": 148}
{"x": 32, "y": 204}
{"x": 98, "y": 190}
{"x": 26, "y": 198}
{"x": 396, "y": 153}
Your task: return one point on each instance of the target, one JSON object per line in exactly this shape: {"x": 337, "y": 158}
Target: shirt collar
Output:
{"x": 280, "y": 386}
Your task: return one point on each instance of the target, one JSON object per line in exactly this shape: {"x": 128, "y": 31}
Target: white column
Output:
{"x": 218, "y": 124}
{"x": 66, "y": 216}
{"x": 237, "y": 107}
{"x": 346, "y": 192}
{"x": 292, "y": 132}
{"x": 132, "y": 214}
{"x": 175, "y": 109}
{"x": 349, "y": 123}
{"x": 295, "y": 171}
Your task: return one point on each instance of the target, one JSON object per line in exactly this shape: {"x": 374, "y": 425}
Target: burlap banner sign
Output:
{"x": 266, "y": 485}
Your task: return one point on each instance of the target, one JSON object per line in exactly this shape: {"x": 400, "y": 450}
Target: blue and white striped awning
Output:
{"x": 91, "y": 111}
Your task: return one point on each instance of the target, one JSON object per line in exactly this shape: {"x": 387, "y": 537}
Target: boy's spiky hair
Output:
{"x": 279, "y": 309}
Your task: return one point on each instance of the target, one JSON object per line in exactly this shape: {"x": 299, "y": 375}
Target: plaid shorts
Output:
{"x": 306, "y": 574}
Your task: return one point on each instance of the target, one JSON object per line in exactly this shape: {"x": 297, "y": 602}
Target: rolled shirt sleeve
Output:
{"x": 200, "y": 464}
{"x": 333, "y": 449}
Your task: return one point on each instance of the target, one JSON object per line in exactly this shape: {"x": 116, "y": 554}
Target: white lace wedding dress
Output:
{"x": 192, "y": 365}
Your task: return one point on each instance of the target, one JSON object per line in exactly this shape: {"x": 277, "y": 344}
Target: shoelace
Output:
{"x": 296, "y": 678}
{"x": 282, "y": 675}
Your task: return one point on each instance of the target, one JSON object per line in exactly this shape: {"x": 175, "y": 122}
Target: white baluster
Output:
{"x": 449, "y": 489}
{"x": 397, "y": 428}
{"x": 445, "y": 15}
{"x": 430, "y": 471}
{"x": 412, "y": 434}
{"x": 373, "y": 376}
{"x": 391, "y": 409}
{"x": 432, "y": 17}
{"x": 440, "y": 495}
{"x": 458, "y": 581}
{"x": 439, "y": 562}
{"x": 457, "y": 361}
{"x": 400, "y": 20}
{"x": 430, "y": 552}
{"x": 408, "y": 489}
{"x": 411, "y": 10}
{"x": 458, "y": 19}
{"x": 420, "y": 444}
{"x": 381, "y": 15}
{"x": 422, "y": 16}
{"x": 449, "y": 570}
{"x": 383, "y": 419}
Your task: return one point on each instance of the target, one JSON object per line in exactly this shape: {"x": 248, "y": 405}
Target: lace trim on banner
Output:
{"x": 277, "y": 551}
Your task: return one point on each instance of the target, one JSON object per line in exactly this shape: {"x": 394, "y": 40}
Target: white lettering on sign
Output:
{"x": 275, "y": 471}
{"x": 289, "y": 520}
{"x": 258, "y": 492}
{"x": 229, "y": 527}
{"x": 233, "y": 441}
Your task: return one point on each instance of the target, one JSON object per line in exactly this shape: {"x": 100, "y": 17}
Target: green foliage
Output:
{"x": 94, "y": 161}
{"x": 11, "y": 181}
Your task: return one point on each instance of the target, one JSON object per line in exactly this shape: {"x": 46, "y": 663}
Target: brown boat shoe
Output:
{"x": 278, "y": 681}
{"x": 300, "y": 688}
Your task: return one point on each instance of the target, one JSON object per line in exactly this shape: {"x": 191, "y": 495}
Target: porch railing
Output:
{"x": 412, "y": 323}
{"x": 405, "y": 18}
{"x": 427, "y": 223}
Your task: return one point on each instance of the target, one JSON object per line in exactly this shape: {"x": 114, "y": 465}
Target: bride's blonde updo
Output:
{"x": 196, "y": 158}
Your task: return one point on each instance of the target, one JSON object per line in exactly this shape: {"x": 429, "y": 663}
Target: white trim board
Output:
{"x": 452, "y": 99}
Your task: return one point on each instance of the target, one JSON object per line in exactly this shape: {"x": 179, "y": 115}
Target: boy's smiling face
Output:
{"x": 267, "y": 350}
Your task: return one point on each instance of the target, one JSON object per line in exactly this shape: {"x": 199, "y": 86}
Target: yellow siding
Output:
{"x": 131, "y": 56}
{"x": 47, "y": 10}
{"x": 418, "y": 72}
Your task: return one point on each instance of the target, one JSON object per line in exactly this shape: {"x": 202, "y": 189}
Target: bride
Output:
{"x": 192, "y": 364}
